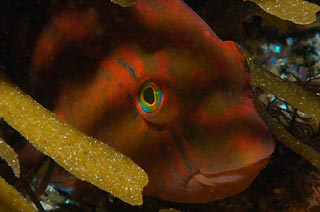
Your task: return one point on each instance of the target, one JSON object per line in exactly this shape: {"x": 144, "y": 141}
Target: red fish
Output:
{"x": 156, "y": 83}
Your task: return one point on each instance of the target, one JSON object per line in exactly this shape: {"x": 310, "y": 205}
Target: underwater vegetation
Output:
{"x": 84, "y": 157}
{"x": 11, "y": 200}
{"x": 292, "y": 117}
{"x": 124, "y": 3}
{"x": 297, "y": 11}
{"x": 300, "y": 99}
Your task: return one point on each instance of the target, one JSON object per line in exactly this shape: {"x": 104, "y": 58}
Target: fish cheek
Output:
{"x": 228, "y": 137}
{"x": 204, "y": 126}
{"x": 165, "y": 163}
{"x": 127, "y": 133}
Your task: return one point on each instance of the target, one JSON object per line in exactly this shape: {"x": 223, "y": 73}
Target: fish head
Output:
{"x": 171, "y": 95}
{"x": 194, "y": 130}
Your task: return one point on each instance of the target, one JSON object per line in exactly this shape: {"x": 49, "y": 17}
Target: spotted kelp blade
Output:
{"x": 83, "y": 156}
{"x": 300, "y": 98}
{"x": 124, "y": 3}
{"x": 11, "y": 200}
{"x": 279, "y": 131}
{"x": 10, "y": 156}
{"x": 297, "y": 11}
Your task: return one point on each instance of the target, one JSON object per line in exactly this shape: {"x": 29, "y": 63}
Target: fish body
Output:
{"x": 156, "y": 83}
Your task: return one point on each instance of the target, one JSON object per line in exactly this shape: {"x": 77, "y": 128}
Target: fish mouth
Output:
{"x": 230, "y": 176}
{"x": 210, "y": 187}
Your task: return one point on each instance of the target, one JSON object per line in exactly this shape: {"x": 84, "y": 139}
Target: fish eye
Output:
{"x": 149, "y": 97}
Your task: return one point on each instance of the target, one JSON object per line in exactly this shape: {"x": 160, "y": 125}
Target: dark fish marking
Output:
{"x": 172, "y": 166}
{"x": 130, "y": 69}
{"x": 145, "y": 137}
{"x": 130, "y": 98}
{"x": 135, "y": 114}
{"x": 187, "y": 162}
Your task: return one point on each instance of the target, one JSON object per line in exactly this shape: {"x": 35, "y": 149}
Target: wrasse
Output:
{"x": 156, "y": 83}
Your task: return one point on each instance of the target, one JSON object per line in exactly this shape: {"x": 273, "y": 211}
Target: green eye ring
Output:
{"x": 149, "y": 97}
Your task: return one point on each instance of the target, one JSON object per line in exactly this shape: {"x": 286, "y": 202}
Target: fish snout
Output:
{"x": 214, "y": 149}
{"x": 227, "y": 151}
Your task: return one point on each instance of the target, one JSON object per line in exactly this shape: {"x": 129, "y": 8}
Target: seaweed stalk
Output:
{"x": 291, "y": 93}
{"x": 297, "y": 11}
{"x": 296, "y": 96}
{"x": 124, "y": 3}
{"x": 11, "y": 200}
{"x": 83, "y": 156}
{"x": 286, "y": 138}
{"x": 10, "y": 156}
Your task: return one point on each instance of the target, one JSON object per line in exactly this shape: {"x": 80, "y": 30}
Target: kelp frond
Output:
{"x": 10, "y": 156}
{"x": 124, "y": 3}
{"x": 83, "y": 156}
{"x": 293, "y": 94}
{"x": 296, "y": 96}
{"x": 11, "y": 200}
{"x": 286, "y": 138}
{"x": 297, "y": 11}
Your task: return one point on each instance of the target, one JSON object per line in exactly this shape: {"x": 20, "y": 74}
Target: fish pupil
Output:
{"x": 148, "y": 95}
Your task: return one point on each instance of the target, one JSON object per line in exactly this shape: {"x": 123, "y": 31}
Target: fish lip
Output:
{"x": 264, "y": 157}
{"x": 227, "y": 176}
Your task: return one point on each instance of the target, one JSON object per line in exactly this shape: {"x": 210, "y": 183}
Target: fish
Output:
{"x": 156, "y": 83}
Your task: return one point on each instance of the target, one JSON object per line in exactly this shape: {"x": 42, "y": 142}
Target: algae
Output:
{"x": 11, "y": 200}
{"x": 83, "y": 156}
{"x": 10, "y": 156}
{"x": 295, "y": 95}
{"x": 124, "y": 3}
{"x": 287, "y": 139}
{"x": 297, "y": 11}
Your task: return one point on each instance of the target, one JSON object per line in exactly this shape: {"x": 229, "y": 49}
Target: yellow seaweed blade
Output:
{"x": 297, "y": 11}
{"x": 296, "y": 96}
{"x": 11, "y": 200}
{"x": 169, "y": 210}
{"x": 307, "y": 152}
{"x": 83, "y": 156}
{"x": 291, "y": 93}
{"x": 10, "y": 156}
{"x": 124, "y": 3}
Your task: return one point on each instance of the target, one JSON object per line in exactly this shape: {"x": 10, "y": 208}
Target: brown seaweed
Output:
{"x": 297, "y": 11}
{"x": 83, "y": 156}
